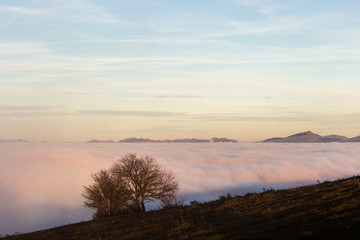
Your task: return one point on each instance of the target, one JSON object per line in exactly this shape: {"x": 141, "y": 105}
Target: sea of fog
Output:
{"x": 41, "y": 183}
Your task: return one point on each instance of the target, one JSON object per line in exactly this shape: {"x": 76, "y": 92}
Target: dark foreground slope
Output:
{"x": 330, "y": 210}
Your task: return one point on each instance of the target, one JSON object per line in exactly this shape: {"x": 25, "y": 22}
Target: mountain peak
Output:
{"x": 308, "y": 137}
{"x": 308, "y": 133}
{"x": 297, "y": 138}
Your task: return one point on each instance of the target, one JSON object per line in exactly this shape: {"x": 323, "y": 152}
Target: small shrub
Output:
{"x": 222, "y": 198}
{"x": 193, "y": 203}
{"x": 268, "y": 190}
{"x": 172, "y": 201}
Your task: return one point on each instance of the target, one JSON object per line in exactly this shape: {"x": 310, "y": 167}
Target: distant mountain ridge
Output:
{"x": 14, "y": 141}
{"x": 354, "y": 139}
{"x": 182, "y": 140}
{"x": 100, "y": 141}
{"x": 310, "y": 137}
{"x": 303, "y": 137}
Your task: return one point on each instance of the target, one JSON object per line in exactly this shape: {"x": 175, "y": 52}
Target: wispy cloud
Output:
{"x": 63, "y": 52}
{"x": 269, "y": 26}
{"x": 84, "y": 11}
{"x": 147, "y": 114}
{"x": 20, "y": 10}
{"x": 281, "y": 115}
{"x": 177, "y": 96}
{"x": 24, "y": 111}
{"x": 76, "y": 11}
{"x": 78, "y": 93}
{"x": 42, "y": 62}
{"x": 13, "y": 108}
{"x": 265, "y": 7}
{"x": 21, "y": 49}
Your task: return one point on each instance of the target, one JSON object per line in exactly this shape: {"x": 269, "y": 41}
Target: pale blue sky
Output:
{"x": 80, "y": 69}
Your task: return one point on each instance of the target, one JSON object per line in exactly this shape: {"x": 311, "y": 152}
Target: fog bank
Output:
{"x": 41, "y": 183}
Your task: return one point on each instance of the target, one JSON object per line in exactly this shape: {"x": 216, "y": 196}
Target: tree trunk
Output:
{"x": 137, "y": 204}
{"x": 142, "y": 204}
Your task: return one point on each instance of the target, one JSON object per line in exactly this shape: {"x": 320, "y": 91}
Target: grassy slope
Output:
{"x": 330, "y": 210}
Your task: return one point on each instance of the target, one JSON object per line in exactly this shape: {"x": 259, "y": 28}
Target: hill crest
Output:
{"x": 310, "y": 137}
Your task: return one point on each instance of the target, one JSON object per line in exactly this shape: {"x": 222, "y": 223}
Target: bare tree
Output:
{"x": 107, "y": 195}
{"x": 131, "y": 182}
{"x": 145, "y": 179}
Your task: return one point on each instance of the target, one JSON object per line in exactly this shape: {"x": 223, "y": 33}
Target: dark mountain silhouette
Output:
{"x": 138, "y": 140}
{"x": 223, "y": 140}
{"x": 297, "y": 138}
{"x": 310, "y": 137}
{"x": 187, "y": 140}
{"x": 354, "y": 139}
{"x": 333, "y": 138}
{"x": 304, "y": 137}
{"x": 100, "y": 141}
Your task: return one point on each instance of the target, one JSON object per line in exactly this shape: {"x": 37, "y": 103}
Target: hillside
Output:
{"x": 330, "y": 210}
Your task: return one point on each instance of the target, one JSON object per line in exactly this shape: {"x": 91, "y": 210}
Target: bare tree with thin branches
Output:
{"x": 145, "y": 179}
{"x": 130, "y": 183}
{"x": 107, "y": 195}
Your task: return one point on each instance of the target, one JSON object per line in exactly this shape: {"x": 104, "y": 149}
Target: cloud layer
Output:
{"x": 41, "y": 183}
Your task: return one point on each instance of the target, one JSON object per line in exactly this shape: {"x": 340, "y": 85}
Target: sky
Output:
{"x": 41, "y": 183}
{"x": 244, "y": 69}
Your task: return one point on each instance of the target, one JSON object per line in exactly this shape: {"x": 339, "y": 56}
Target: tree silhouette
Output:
{"x": 130, "y": 183}
{"x": 145, "y": 179}
{"x": 107, "y": 195}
